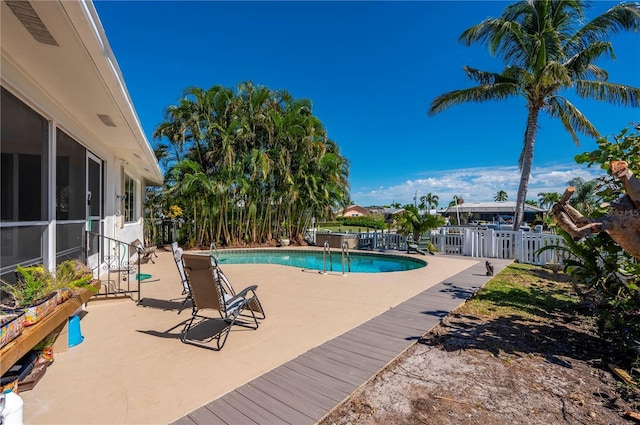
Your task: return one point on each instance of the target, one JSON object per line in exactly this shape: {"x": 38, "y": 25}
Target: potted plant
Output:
{"x": 31, "y": 293}
{"x": 37, "y": 291}
{"x": 70, "y": 275}
{"x": 284, "y": 240}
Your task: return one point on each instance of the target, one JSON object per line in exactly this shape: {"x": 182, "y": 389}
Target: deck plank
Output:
{"x": 339, "y": 384}
{"x": 277, "y": 407}
{"x": 395, "y": 344}
{"x": 358, "y": 338}
{"x": 251, "y": 409}
{"x": 185, "y": 420}
{"x": 294, "y": 400}
{"x": 333, "y": 368}
{"x": 361, "y": 348}
{"x": 349, "y": 358}
{"x": 204, "y": 416}
{"x": 297, "y": 379}
{"x": 389, "y": 326}
{"x": 293, "y": 386}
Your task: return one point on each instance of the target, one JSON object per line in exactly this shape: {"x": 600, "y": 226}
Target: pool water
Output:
{"x": 313, "y": 260}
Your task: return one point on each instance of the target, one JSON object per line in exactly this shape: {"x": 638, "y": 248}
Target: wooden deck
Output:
{"x": 307, "y": 388}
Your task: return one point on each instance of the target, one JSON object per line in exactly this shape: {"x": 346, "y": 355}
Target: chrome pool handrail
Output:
{"x": 345, "y": 253}
{"x": 326, "y": 251}
{"x": 213, "y": 250}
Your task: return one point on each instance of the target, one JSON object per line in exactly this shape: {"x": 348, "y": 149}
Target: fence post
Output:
{"x": 518, "y": 246}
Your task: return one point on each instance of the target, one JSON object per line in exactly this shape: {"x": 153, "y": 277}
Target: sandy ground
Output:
{"x": 509, "y": 370}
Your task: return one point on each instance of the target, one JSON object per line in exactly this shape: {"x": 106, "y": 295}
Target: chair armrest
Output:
{"x": 243, "y": 293}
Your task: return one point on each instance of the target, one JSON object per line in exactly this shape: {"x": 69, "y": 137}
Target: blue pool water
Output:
{"x": 313, "y": 260}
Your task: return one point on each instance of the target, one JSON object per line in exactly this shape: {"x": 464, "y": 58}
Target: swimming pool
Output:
{"x": 361, "y": 262}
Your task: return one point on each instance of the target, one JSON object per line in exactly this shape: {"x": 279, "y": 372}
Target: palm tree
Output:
{"x": 457, "y": 200}
{"x": 412, "y": 223}
{"x": 547, "y": 199}
{"x": 547, "y": 49}
{"x": 428, "y": 201}
{"x": 584, "y": 198}
{"x": 501, "y": 196}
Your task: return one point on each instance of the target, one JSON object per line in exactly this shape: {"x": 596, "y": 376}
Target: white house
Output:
{"x": 74, "y": 155}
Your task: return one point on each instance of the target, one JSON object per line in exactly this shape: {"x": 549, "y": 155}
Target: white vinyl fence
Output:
{"x": 522, "y": 246}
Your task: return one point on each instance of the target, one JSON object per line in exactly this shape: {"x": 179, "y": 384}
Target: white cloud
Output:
{"x": 478, "y": 184}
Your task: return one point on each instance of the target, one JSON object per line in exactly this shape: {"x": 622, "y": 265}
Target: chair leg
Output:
{"x": 256, "y": 307}
{"x": 184, "y": 303}
{"x": 186, "y": 329}
{"x": 240, "y": 312}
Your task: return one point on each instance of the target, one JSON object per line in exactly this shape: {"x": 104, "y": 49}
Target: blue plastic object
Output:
{"x": 75, "y": 334}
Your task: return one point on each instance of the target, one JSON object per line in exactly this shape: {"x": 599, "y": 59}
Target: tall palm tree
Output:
{"x": 501, "y": 196}
{"x": 428, "y": 201}
{"x": 457, "y": 200}
{"x": 547, "y": 48}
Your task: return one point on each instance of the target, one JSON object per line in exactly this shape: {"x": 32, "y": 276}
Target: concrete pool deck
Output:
{"x": 132, "y": 367}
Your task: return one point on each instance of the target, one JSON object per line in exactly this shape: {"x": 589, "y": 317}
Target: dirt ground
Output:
{"x": 498, "y": 370}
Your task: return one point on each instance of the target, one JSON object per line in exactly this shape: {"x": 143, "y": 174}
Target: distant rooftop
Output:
{"x": 493, "y": 207}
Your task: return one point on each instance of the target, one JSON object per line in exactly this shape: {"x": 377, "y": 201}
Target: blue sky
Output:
{"x": 371, "y": 70}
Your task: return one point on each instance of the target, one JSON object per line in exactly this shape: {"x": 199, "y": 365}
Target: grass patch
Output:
{"x": 524, "y": 290}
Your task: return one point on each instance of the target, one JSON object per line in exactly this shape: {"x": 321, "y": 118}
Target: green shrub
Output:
{"x": 363, "y": 221}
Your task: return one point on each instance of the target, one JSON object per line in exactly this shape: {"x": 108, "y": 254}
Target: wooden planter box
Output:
{"x": 32, "y": 335}
{"x": 12, "y": 327}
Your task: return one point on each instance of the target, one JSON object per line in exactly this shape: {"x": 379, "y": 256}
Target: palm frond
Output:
{"x": 581, "y": 64}
{"x": 616, "y": 94}
{"x": 481, "y": 93}
{"x": 572, "y": 119}
{"x": 625, "y": 16}
{"x": 484, "y": 77}
{"x": 503, "y": 37}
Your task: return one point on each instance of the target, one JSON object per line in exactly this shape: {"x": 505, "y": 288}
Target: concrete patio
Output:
{"x": 132, "y": 367}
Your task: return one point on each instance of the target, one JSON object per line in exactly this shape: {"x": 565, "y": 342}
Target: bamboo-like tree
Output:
{"x": 548, "y": 48}
{"x": 251, "y": 165}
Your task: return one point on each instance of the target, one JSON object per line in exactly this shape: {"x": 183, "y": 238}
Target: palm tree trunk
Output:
{"x": 527, "y": 160}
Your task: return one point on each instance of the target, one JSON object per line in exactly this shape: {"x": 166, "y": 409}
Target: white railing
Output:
{"x": 470, "y": 241}
{"x": 522, "y": 246}
{"x": 529, "y": 243}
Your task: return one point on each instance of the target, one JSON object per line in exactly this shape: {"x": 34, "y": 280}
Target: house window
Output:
{"x": 25, "y": 169}
{"x": 130, "y": 199}
{"x": 24, "y": 174}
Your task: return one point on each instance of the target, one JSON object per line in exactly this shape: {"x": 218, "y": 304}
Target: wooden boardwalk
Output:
{"x": 307, "y": 388}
